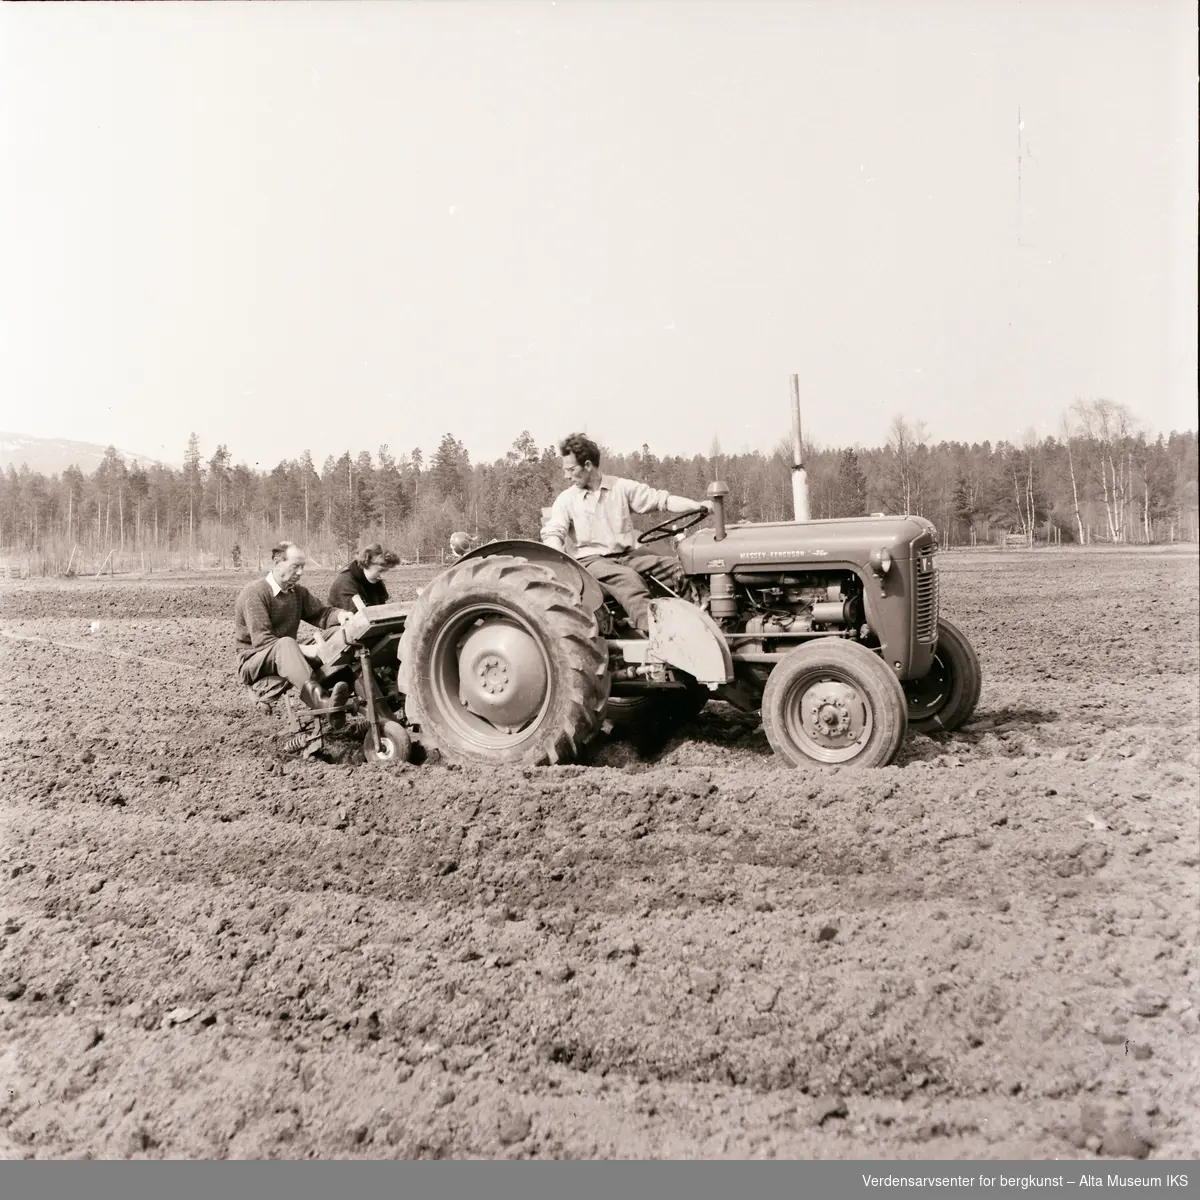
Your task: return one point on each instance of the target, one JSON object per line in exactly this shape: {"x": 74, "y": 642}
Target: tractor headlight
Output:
{"x": 881, "y": 562}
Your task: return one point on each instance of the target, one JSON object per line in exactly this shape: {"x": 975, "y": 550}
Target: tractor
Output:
{"x": 829, "y": 629}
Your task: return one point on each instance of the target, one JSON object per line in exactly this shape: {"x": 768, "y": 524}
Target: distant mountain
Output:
{"x": 52, "y": 456}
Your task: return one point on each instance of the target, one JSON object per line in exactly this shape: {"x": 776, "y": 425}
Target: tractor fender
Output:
{"x": 684, "y": 636}
{"x": 581, "y": 581}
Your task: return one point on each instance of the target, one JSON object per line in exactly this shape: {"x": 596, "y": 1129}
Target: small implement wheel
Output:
{"x": 500, "y": 664}
{"x": 395, "y": 746}
{"x": 834, "y": 704}
{"x": 945, "y": 698}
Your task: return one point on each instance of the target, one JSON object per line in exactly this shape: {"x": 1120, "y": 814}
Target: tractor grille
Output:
{"x": 927, "y": 595}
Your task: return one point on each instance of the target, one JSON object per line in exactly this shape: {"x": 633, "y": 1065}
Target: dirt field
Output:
{"x": 986, "y": 950}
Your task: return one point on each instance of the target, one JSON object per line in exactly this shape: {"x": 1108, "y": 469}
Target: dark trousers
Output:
{"x": 281, "y": 657}
{"x": 623, "y": 575}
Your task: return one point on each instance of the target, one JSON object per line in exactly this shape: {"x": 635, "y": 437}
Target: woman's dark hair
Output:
{"x": 582, "y": 446}
{"x": 376, "y": 555}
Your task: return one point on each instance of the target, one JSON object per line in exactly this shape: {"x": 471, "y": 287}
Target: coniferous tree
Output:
{"x": 850, "y": 488}
{"x": 1102, "y": 478}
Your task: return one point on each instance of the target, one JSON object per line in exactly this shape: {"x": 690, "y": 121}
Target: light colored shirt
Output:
{"x": 275, "y": 588}
{"x": 601, "y": 518}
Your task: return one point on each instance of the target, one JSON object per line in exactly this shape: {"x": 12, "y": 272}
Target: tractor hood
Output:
{"x": 782, "y": 544}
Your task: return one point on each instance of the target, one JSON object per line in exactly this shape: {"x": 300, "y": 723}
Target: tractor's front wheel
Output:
{"x": 833, "y": 704}
{"x": 944, "y": 699}
{"x": 500, "y": 664}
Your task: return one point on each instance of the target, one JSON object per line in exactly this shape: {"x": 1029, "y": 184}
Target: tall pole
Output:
{"x": 1020, "y": 127}
{"x": 799, "y": 475}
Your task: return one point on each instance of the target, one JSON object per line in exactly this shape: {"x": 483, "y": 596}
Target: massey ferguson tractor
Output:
{"x": 830, "y": 629}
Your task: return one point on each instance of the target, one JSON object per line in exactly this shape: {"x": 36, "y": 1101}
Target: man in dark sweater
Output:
{"x": 266, "y": 620}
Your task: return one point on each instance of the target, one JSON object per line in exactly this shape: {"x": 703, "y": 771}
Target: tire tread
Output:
{"x": 549, "y": 603}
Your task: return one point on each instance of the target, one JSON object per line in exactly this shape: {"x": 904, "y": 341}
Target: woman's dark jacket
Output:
{"x": 352, "y": 582}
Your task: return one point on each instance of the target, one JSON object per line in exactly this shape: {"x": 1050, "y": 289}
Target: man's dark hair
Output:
{"x": 280, "y": 552}
{"x": 375, "y": 554}
{"x": 585, "y": 450}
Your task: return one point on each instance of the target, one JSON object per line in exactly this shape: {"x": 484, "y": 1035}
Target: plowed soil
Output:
{"x": 212, "y": 949}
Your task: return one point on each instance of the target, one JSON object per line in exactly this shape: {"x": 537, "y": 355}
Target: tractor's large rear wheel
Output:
{"x": 944, "y": 699}
{"x": 834, "y": 704}
{"x": 500, "y": 664}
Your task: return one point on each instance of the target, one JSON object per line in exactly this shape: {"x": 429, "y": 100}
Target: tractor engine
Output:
{"x": 765, "y": 606}
{"x": 772, "y": 586}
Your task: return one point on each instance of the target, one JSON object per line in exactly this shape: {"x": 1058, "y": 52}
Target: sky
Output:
{"x": 332, "y": 226}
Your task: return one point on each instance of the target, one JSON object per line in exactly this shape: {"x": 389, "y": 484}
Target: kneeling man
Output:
{"x": 266, "y": 620}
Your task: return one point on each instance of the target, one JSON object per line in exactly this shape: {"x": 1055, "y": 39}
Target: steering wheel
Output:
{"x": 677, "y": 524}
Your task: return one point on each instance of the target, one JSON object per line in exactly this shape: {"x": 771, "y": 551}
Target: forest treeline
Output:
{"x": 1101, "y": 480}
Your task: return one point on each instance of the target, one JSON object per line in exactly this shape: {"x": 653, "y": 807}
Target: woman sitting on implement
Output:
{"x": 363, "y": 580}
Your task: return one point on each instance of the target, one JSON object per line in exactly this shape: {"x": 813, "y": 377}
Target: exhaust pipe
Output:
{"x": 799, "y": 474}
{"x": 722, "y": 596}
{"x": 717, "y": 491}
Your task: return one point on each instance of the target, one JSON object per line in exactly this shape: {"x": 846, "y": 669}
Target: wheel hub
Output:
{"x": 493, "y": 675}
{"x": 830, "y": 720}
{"x": 833, "y": 714}
{"x": 502, "y": 674}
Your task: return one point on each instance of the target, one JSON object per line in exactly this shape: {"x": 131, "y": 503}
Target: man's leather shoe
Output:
{"x": 314, "y": 695}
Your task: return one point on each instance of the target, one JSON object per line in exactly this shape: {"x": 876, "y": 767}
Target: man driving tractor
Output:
{"x": 596, "y": 508}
